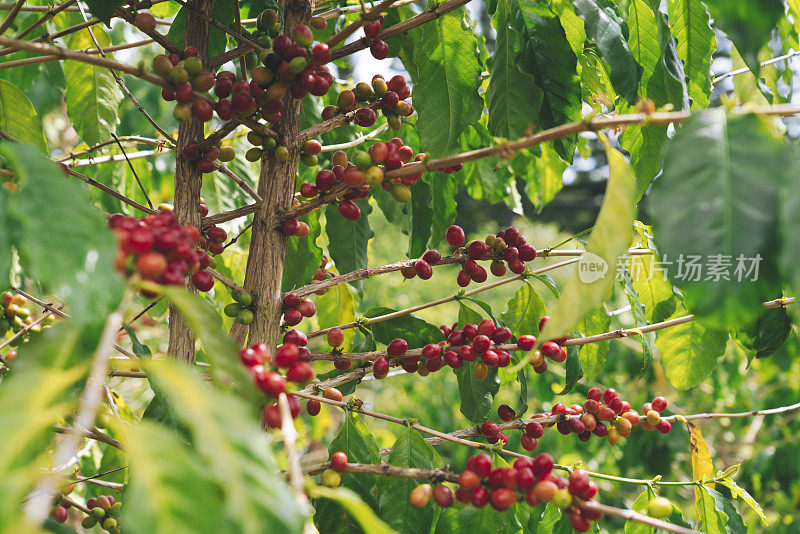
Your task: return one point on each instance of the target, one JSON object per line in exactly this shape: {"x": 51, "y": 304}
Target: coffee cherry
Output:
{"x": 623, "y": 426}
{"x": 506, "y": 412}
{"x": 372, "y": 28}
{"x": 542, "y": 464}
{"x": 60, "y": 514}
{"x": 501, "y": 334}
{"x": 613, "y": 435}
{"x": 349, "y": 210}
{"x": 534, "y": 430}
{"x": 300, "y": 373}
{"x": 443, "y": 496}
{"x": 339, "y": 461}
{"x": 365, "y": 117}
{"x": 562, "y": 498}
{"x": 146, "y": 23}
{"x": 480, "y": 371}
{"x": 379, "y": 49}
{"x": 578, "y": 522}
{"x": 292, "y": 317}
{"x": 659, "y": 508}
{"x": 313, "y": 407}
{"x": 423, "y": 269}
{"x": 330, "y": 478}
{"x": 273, "y": 384}
{"x": 550, "y": 349}
{"x": 469, "y": 480}
{"x": 526, "y": 342}
{"x": 380, "y": 367}
{"x": 489, "y": 429}
{"x": 286, "y": 355}
{"x": 664, "y": 426}
{"x": 653, "y": 417}
{"x": 333, "y": 394}
{"x": 528, "y": 443}
{"x": 659, "y": 404}
{"x": 421, "y": 495}
{"x": 397, "y": 347}
{"x": 609, "y": 394}
{"x": 335, "y": 337}
{"x": 594, "y": 394}
{"x": 502, "y": 499}
{"x": 203, "y": 281}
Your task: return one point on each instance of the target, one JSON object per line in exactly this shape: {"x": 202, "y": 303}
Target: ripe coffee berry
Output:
{"x": 335, "y": 337}
{"x": 443, "y": 496}
{"x": 506, "y": 412}
{"x": 313, "y": 407}
{"x": 659, "y": 404}
{"x": 380, "y": 367}
{"x": 397, "y": 347}
{"x": 339, "y": 461}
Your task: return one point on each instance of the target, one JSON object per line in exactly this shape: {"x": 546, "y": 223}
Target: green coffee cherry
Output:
{"x": 253, "y": 155}
{"x": 245, "y": 317}
{"x": 244, "y": 298}
{"x": 233, "y": 309}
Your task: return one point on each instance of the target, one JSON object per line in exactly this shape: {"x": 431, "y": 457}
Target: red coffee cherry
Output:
{"x": 397, "y": 347}
{"x": 542, "y": 464}
{"x": 339, "y": 461}
{"x": 335, "y": 337}
{"x": 469, "y": 480}
{"x": 443, "y": 496}
{"x": 506, "y": 412}
{"x": 455, "y": 236}
{"x": 480, "y": 497}
{"x": 609, "y": 394}
{"x": 379, "y": 49}
{"x": 313, "y": 407}
{"x": 502, "y": 499}
{"x": 659, "y": 404}
{"x": 380, "y": 367}
{"x": 534, "y": 430}
{"x": 203, "y": 281}
{"x": 526, "y": 342}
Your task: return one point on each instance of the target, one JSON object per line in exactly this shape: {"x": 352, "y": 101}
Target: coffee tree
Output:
{"x": 173, "y": 327}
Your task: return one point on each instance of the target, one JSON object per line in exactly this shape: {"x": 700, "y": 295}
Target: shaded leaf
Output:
{"x": 221, "y": 11}
{"x": 348, "y": 240}
{"x": 476, "y": 395}
{"x": 738, "y": 491}
{"x": 421, "y": 218}
{"x": 303, "y": 255}
{"x": 747, "y": 26}
{"x": 414, "y": 330}
{"x": 443, "y": 198}
{"x": 18, "y": 118}
{"x": 690, "y": 24}
{"x": 524, "y": 311}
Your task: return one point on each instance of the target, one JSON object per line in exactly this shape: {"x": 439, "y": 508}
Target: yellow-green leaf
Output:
{"x": 18, "y": 118}
{"x": 362, "y": 513}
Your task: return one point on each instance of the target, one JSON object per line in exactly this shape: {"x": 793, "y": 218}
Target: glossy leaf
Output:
{"x": 606, "y": 28}
{"x": 92, "y": 96}
{"x": 741, "y": 168}
{"x": 690, "y": 24}
{"x": 348, "y": 240}
{"x": 303, "y": 255}
{"x": 103, "y": 9}
{"x": 524, "y": 310}
{"x": 649, "y": 278}
{"x": 590, "y": 284}
{"x": 414, "y": 330}
{"x": 139, "y": 349}
{"x": 689, "y": 351}
{"x": 447, "y": 84}
{"x": 593, "y": 355}
{"x": 410, "y": 450}
{"x": 513, "y": 98}
{"x": 749, "y": 28}
{"x": 572, "y": 24}
{"x": 77, "y": 261}
{"x": 18, "y": 118}
{"x": 638, "y": 309}
{"x": 421, "y": 218}
{"x": 547, "y": 56}
{"x": 356, "y": 441}
{"x": 716, "y": 513}
{"x": 221, "y": 11}
{"x": 739, "y": 492}
{"x": 773, "y": 329}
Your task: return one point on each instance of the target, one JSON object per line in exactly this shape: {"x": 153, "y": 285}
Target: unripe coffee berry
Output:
{"x": 421, "y": 495}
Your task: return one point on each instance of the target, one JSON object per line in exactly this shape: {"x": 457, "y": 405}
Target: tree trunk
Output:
{"x": 188, "y": 180}
{"x": 276, "y": 186}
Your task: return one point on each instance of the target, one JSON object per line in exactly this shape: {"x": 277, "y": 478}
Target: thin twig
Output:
{"x": 357, "y": 141}
{"x": 130, "y": 165}
{"x": 126, "y": 139}
{"x": 351, "y": 28}
{"x": 45, "y": 59}
{"x": 47, "y": 16}
{"x": 9, "y": 20}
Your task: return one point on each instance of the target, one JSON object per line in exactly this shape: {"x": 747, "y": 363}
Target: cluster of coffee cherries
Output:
{"x": 103, "y": 511}
{"x": 387, "y": 97}
{"x": 530, "y": 480}
{"x": 241, "y": 308}
{"x": 507, "y": 246}
{"x": 295, "y": 308}
{"x": 313, "y": 406}
{"x": 16, "y": 316}
{"x": 266, "y": 372}
{"x": 205, "y": 158}
{"x": 188, "y": 80}
{"x": 160, "y": 250}
{"x": 378, "y": 48}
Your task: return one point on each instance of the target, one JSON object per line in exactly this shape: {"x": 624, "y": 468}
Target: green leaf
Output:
{"x": 638, "y": 310}
{"x": 715, "y": 516}
{"x": 573, "y": 366}
{"x": 355, "y": 507}
{"x": 609, "y": 32}
{"x": 748, "y": 26}
{"x": 414, "y": 330}
{"x": 593, "y": 355}
{"x": 690, "y": 24}
{"x": 139, "y": 349}
{"x": 356, "y": 441}
{"x": 410, "y": 450}
{"x": 421, "y": 218}
{"x": 572, "y": 24}
{"x": 547, "y": 56}
{"x": 303, "y": 255}
{"x": 103, "y": 9}
{"x": 348, "y": 240}
{"x": 221, "y": 11}
{"x": 513, "y": 98}
{"x": 32, "y": 399}
{"x": 543, "y": 173}
{"x": 445, "y": 54}
{"x": 550, "y": 518}
{"x": 443, "y": 194}
{"x": 610, "y": 237}
{"x": 92, "y": 96}
{"x": 337, "y": 306}
{"x": 689, "y": 351}
{"x": 524, "y": 310}
{"x": 640, "y": 505}
{"x": 220, "y": 350}
{"x": 649, "y": 279}
{"x": 77, "y": 261}
{"x": 738, "y": 491}
{"x": 168, "y": 485}
{"x": 737, "y": 164}
{"x": 233, "y": 448}
{"x": 772, "y": 331}
{"x": 18, "y": 118}
{"x": 484, "y": 520}
{"x": 476, "y": 395}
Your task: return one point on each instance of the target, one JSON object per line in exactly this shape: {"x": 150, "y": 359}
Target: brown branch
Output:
{"x": 226, "y": 216}
{"x": 51, "y": 37}
{"x": 47, "y": 16}
{"x": 108, "y": 190}
{"x": 9, "y": 20}
{"x": 155, "y": 35}
{"x": 434, "y": 475}
{"x": 632, "y": 515}
{"x": 593, "y": 124}
{"x": 339, "y": 11}
{"x": 326, "y": 126}
{"x": 317, "y": 202}
{"x": 218, "y": 135}
{"x": 351, "y": 28}
{"x": 426, "y": 16}
{"x": 225, "y": 280}
{"x": 239, "y": 181}
{"x": 230, "y": 55}
{"x": 45, "y": 59}
{"x": 92, "y": 433}
{"x": 257, "y": 127}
